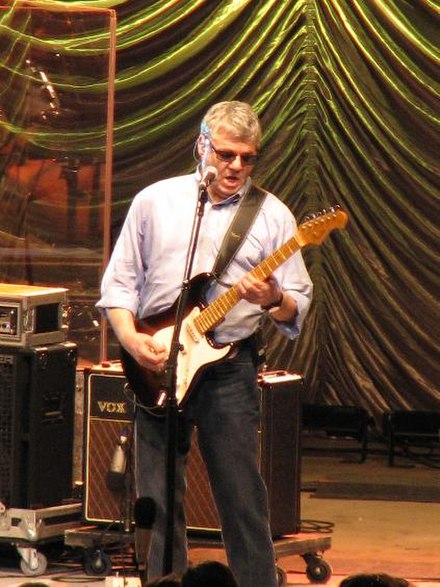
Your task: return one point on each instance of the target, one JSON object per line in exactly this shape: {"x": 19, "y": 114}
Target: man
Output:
{"x": 144, "y": 278}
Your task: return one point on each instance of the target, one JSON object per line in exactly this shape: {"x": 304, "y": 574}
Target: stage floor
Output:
{"x": 367, "y": 535}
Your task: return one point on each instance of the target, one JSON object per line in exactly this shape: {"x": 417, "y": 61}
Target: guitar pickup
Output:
{"x": 193, "y": 331}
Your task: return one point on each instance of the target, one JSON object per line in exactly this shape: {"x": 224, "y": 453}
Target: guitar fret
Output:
{"x": 291, "y": 247}
{"x": 202, "y": 322}
{"x": 206, "y": 319}
{"x": 224, "y": 306}
{"x": 259, "y": 272}
{"x": 215, "y": 312}
{"x": 271, "y": 265}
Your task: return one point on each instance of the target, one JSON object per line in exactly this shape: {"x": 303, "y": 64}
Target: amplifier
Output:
{"x": 37, "y": 399}
{"x": 279, "y": 460}
{"x": 109, "y": 412}
{"x": 32, "y": 315}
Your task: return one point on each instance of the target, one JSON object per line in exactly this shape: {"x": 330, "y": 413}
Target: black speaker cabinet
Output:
{"x": 109, "y": 412}
{"x": 280, "y": 464}
{"x": 37, "y": 399}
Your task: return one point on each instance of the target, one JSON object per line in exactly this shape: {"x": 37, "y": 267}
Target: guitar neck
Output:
{"x": 217, "y": 310}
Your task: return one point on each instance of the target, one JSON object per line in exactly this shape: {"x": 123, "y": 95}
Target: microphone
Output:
{"x": 209, "y": 175}
{"x": 116, "y": 474}
{"x": 144, "y": 514}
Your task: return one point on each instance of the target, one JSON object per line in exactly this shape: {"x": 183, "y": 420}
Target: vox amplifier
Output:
{"x": 109, "y": 413}
{"x": 31, "y": 315}
{"x": 279, "y": 461}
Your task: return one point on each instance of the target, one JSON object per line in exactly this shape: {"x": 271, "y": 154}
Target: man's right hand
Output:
{"x": 142, "y": 347}
{"x": 147, "y": 352}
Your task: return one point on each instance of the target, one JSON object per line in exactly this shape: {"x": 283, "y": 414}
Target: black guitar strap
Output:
{"x": 247, "y": 211}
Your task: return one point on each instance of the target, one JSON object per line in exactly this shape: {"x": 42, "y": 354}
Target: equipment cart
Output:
{"x": 93, "y": 540}
{"x": 310, "y": 547}
{"x": 27, "y": 529}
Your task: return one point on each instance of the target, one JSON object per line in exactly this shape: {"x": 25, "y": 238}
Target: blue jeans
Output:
{"x": 225, "y": 407}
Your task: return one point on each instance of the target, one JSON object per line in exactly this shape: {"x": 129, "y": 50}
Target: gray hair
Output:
{"x": 236, "y": 118}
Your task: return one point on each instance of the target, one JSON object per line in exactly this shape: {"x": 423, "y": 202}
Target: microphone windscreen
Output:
{"x": 208, "y": 176}
{"x": 144, "y": 512}
{"x": 211, "y": 172}
{"x": 115, "y": 481}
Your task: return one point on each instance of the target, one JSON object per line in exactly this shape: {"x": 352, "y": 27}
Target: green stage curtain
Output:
{"x": 348, "y": 95}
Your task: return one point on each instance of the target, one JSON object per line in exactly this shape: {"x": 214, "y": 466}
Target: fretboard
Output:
{"x": 217, "y": 310}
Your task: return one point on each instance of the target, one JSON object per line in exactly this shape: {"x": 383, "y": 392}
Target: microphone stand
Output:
{"x": 172, "y": 411}
{"x": 126, "y": 517}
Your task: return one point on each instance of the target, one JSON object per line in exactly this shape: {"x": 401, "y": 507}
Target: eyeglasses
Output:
{"x": 230, "y": 156}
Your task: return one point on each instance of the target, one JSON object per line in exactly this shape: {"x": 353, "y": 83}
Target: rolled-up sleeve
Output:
{"x": 292, "y": 275}
{"x": 123, "y": 278}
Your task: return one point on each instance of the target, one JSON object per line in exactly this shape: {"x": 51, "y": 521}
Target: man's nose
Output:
{"x": 236, "y": 163}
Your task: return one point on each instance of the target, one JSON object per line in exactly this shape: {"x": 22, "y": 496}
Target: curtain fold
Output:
{"x": 348, "y": 95}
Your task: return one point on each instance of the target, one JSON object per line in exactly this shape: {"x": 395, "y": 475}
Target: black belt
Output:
{"x": 249, "y": 342}
{"x": 254, "y": 342}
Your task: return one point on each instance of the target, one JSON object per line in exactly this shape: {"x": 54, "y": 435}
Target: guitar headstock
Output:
{"x": 316, "y": 228}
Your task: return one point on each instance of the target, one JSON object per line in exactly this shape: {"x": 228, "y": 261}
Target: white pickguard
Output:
{"x": 196, "y": 352}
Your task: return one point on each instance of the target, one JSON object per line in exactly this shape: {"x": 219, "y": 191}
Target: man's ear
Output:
{"x": 202, "y": 145}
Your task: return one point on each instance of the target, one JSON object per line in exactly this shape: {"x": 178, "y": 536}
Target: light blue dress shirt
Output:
{"x": 146, "y": 269}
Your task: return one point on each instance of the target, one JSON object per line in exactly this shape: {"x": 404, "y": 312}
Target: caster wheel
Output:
{"x": 318, "y": 571}
{"x": 98, "y": 563}
{"x": 39, "y": 566}
{"x": 282, "y": 577}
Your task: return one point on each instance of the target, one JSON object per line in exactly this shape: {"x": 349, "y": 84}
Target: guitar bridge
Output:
{"x": 162, "y": 399}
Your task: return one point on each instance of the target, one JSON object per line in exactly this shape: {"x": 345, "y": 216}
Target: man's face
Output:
{"x": 233, "y": 158}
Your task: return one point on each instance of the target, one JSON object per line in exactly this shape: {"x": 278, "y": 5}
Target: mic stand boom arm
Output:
{"x": 171, "y": 412}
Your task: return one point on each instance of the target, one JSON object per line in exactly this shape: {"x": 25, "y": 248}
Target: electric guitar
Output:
{"x": 197, "y": 349}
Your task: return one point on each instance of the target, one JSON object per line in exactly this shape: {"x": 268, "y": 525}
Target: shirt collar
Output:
{"x": 232, "y": 199}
